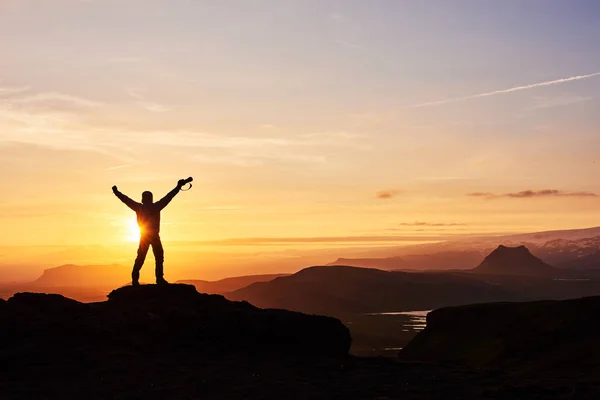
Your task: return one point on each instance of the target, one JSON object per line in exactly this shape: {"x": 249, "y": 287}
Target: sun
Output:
{"x": 133, "y": 231}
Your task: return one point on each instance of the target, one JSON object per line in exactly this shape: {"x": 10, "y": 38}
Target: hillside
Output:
{"x": 228, "y": 284}
{"x": 337, "y": 290}
{"x": 540, "y": 336}
{"x": 437, "y": 261}
{"x": 514, "y": 261}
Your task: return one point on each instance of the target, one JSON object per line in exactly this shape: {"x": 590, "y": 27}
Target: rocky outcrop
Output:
{"x": 156, "y": 319}
{"x": 536, "y": 336}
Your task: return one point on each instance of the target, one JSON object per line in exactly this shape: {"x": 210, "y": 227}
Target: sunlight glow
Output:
{"x": 133, "y": 231}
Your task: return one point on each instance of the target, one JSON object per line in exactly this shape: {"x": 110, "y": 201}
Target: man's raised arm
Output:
{"x": 128, "y": 202}
{"x": 162, "y": 203}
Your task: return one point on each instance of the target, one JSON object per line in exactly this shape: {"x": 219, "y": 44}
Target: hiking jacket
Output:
{"x": 148, "y": 215}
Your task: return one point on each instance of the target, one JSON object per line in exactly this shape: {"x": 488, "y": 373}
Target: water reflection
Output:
{"x": 417, "y": 320}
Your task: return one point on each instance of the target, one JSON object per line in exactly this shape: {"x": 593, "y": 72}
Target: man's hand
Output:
{"x": 182, "y": 182}
{"x": 115, "y": 190}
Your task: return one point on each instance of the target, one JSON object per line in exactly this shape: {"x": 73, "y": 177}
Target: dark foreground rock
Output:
{"x": 171, "y": 318}
{"x": 173, "y": 343}
{"x": 535, "y": 337}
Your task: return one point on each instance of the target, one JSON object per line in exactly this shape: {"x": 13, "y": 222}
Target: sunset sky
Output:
{"x": 314, "y": 122}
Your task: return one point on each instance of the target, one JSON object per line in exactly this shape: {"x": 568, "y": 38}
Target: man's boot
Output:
{"x": 161, "y": 281}
{"x": 159, "y": 272}
{"x": 135, "y": 278}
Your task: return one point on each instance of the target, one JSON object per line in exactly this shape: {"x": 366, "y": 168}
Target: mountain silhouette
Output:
{"x": 335, "y": 290}
{"x": 587, "y": 262}
{"x": 514, "y": 261}
{"x": 84, "y": 275}
{"x": 227, "y": 285}
{"x": 435, "y": 261}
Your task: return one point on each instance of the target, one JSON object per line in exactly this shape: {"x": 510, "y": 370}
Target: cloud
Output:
{"x": 269, "y": 127}
{"x": 504, "y": 91}
{"x": 13, "y": 90}
{"x": 59, "y": 121}
{"x": 387, "y": 194}
{"x": 262, "y": 241}
{"x": 119, "y": 167}
{"x": 53, "y": 96}
{"x": 154, "y": 107}
{"x": 145, "y": 104}
{"x": 528, "y": 194}
{"x": 481, "y": 194}
{"x": 431, "y": 224}
{"x": 346, "y": 32}
{"x": 558, "y": 101}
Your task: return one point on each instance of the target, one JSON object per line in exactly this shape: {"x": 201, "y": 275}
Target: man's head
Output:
{"x": 147, "y": 198}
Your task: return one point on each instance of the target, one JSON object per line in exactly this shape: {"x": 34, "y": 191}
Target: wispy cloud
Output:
{"x": 558, "y": 101}
{"x": 146, "y": 104}
{"x": 119, "y": 167}
{"x": 431, "y": 224}
{"x": 53, "y": 97}
{"x": 261, "y": 241}
{"x": 346, "y": 32}
{"x": 528, "y": 194}
{"x": 387, "y": 194}
{"x": 13, "y": 90}
{"x": 504, "y": 91}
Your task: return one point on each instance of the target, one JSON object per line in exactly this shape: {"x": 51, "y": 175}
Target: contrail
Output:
{"x": 514, "y": 89}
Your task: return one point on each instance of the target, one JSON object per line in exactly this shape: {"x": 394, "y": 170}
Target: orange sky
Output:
{"x": 306, "y": 122}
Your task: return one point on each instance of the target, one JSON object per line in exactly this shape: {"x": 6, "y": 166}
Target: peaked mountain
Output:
{"x": 514, "y": 261}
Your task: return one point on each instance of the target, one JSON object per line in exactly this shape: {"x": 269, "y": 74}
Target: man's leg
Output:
{"x": 139, "y": 261}
{"x": 159, "y": 257}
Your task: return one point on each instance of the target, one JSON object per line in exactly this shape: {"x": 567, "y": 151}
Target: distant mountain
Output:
{"x": 436, "y": 261}
{"x": 113, "y": 275}
{"x": 229, "y": 284}
{"x": 390, "y": 263}
{"x": 335, "y": 290}
{"x": 90, "y": 283}
{"x": 514, "y": 261}
{"x": 587, "y": 262}
{"x": 553, "y": 247}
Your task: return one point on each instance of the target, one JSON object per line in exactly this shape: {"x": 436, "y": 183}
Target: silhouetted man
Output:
{"x": 148, "y": 219}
